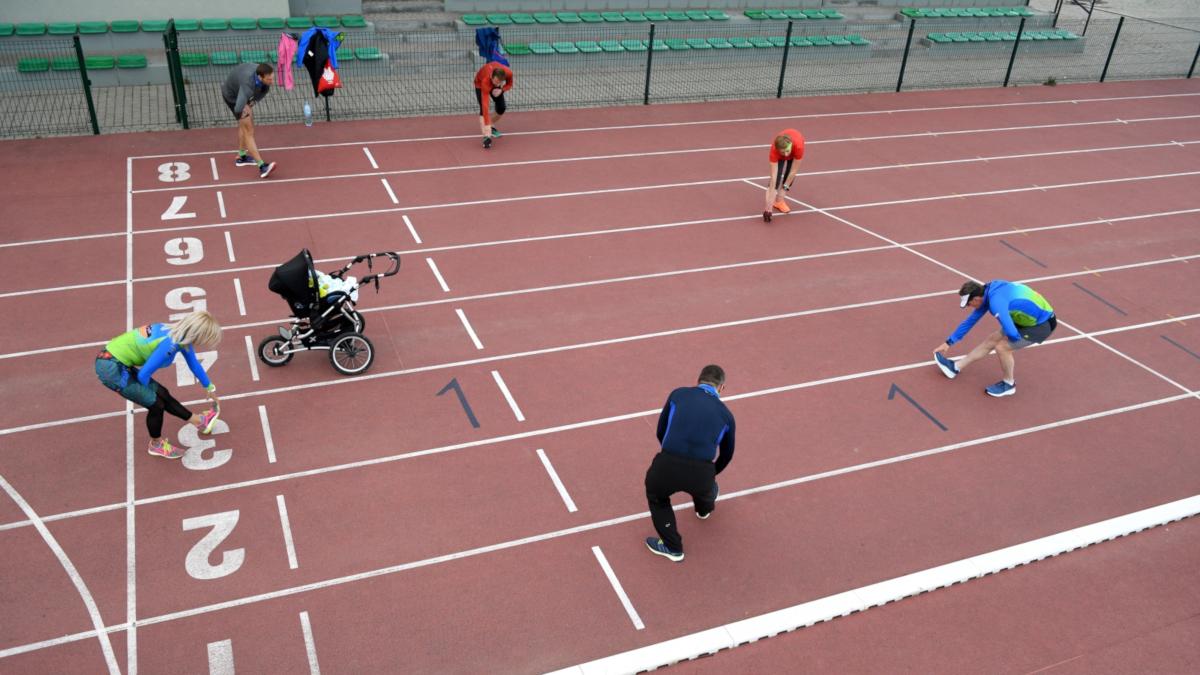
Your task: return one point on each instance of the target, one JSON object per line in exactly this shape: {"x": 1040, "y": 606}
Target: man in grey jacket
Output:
{"x": 246, "y": 85}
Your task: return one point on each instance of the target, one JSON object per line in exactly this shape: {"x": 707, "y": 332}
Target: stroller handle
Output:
{"x": 392, "y": 270}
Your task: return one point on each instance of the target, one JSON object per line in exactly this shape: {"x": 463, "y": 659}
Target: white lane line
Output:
{"x": 387, "y": 186}
{"x": 547, "y": 536}
{"x": 286, "y": 524}
{"x": 131, "y": 651}
{"x": 253, "y": 361}
{"x": 229, "y": 246}
{"x": 616, "y": 585}
{"x": 734, "y": 120}
{"x": 462, "y": 316}
{"x": 266, "y": 429}
{"x": 310, "y": 646}
{"x": 213, "y": 162}
{"x": 80, "y": 585}
{"x": 370, "y": 157}
{"x": 220, "y": 658}
{"x": 437, "y": 273}
{"x": 507, "y": 396}
{"x": 221, "y": 203}
{"x": 241, "y": 301}
{"x": 841, "y": 604}
{"x": 411, "y": 230}
{"x": 558, "y": 485}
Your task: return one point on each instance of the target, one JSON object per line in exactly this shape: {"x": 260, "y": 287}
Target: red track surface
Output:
{"x": 426, "y": 545}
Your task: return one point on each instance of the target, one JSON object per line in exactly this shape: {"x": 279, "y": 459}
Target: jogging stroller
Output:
{"x": 323, "y": 313}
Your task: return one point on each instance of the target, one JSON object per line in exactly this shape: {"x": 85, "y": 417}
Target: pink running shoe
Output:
{"x": 208, "y": 420}
{"x": 165, "y": 449}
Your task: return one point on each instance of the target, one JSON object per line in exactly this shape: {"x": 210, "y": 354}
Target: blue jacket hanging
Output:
{"x": 331, "y": 37}
{"x": 490, "y": 47}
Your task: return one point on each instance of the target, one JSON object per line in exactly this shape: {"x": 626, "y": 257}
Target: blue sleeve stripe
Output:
{"x": 670, "y": 418}
{"x": 720, "y": 436}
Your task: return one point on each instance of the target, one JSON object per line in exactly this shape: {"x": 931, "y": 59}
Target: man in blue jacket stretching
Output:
{"x": 693, "y": 425}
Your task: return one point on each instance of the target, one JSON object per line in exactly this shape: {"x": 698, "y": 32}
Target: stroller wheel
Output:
{"x": 270, "y": 354}
{"x": 351, "y": 353}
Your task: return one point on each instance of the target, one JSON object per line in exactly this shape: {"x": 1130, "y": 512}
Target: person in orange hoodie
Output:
{"x": 786, "y": 152}
{"x": 493, "y": 79}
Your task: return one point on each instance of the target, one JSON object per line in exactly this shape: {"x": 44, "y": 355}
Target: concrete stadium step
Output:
{"x": 401, "y": 6}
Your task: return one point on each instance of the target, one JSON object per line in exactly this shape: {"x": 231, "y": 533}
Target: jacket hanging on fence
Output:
{"x": 490, "y": 46}
{"x": 318, "y": 46}
{"x": 286, "y": 55}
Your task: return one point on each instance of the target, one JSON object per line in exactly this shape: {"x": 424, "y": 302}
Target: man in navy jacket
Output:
{"x": 693, "y": 426}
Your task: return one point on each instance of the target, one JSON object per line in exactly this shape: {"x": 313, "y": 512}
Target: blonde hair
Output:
{"x": 197, "y": 328}
{"x": 783, "y": 143}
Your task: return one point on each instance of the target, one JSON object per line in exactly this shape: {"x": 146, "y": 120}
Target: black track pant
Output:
{"x": 154, "y": 419}
{"x": 669, "y": 474}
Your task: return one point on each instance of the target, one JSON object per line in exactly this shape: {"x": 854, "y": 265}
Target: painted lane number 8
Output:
{"x": 174, "y": 172}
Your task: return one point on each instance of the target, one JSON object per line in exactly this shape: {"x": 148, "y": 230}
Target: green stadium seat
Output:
{"x": 33, "y": 65}
{"x": 299, "y": 22}
{"x": 756, "y": 14}
{"x": 719, "y": 43}
{"x": 131, "y": 61}
{"x": 214, "y": 24}
{"x": 565, "y": 47}
{"x": 677, "y": 44}
{"x": 368, "y": 54}
{"x": 911, "y": 12}
{"x": 973, "y": 37}
{"x": 587, "y": 47}
{"x": 517, "y": 49}
{"x": 939, "y": 38}
{"x": 242, "y": 23}
{"x": 522, "y": 19}
{"x": 717, "y": 15}
{"x": 154, "y": 26}
{"x": 64, "y": 63}
{"x": 327, "y": 22}
{"x": 541, "y": 48}
{"x": 795, "y": 14}
{"x": 832, "y": 14}
{"x": 353, "y": 21}
{"x": 777, "y": 40}
{"x": 613, "y": 17}
{"x": 992, "y": 37}
{"x": 697, "y": 15}
{"x": 63, "y": 28}
{"x": 1053, "y": 36}
{"x": 499, "y": 19}
{"x": 591, "y": 17}
{"x": 838, "y": 41}
{"x": 633, "y": 45}
{"x": 7, "y": 29}
{"x": 1067, "y": 35}
{"x": 760, "y": 42}
{"x": 815, "y": 14}
{"x": 193, "y": 60}
{"x": 255, "y": 56}
{"x": 777, "y": 14}
{"x": 567, "y": 17}
{"x": 858, "y": 40}
{"x": 698, "y": 43}
{"x": 635, "y": 17}
{"x": 611, "y": 46}
{"x": 545, "y": 17}
{"x": 1039, "y": 36}
{"x": 31, "y": 30}
{"x": 659, "y": 46}
{"x": 100, "y": 62}
{"x": 676, "y": 16}
{"x": 655, "y": 15}
{"x": 272, "y": 23}
{"x": 224, "y": 58}
{"x": 800, "y": 41}
{"x": 474, "y": 19}
{"x": 181, "y": 25}
{"x": 819, "y": 40}
{"x": 740, "y": 43}
{"x": 344, "y": 55}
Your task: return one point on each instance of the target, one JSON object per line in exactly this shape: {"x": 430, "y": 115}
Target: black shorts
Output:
{"x": 501, "y": 106}
{"x": 1035, "y": 335}
{"x": 782, "y": 170}
{"x": 233, "y": 108}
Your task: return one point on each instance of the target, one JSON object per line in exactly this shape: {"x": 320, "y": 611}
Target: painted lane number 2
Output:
{"x": 199, "y": 560}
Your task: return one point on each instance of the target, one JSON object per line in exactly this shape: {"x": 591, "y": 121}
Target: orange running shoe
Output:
{"x": 782, "y": 207}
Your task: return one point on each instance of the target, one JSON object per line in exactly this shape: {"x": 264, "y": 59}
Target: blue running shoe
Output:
{"x": 657, "y": 547}
{"x": 1001, "y": 388}
{"x": 948, "y": 368}
{"x": 245, "y": 161}
{"x": 495, "y": 133}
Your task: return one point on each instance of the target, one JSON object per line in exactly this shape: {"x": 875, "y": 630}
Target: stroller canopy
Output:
{"x": 296, "y": 282}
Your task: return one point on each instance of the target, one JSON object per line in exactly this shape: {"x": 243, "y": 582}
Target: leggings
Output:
{"x": 782, "y": 170}
{"x": 154, "y": 420}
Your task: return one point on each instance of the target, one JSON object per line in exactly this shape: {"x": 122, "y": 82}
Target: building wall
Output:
{"x": 17, "y": 11}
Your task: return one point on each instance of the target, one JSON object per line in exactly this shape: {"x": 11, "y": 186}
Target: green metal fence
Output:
{"x": 47, "y": 91}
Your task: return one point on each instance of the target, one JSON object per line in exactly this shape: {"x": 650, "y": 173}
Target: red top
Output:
{"x": 797, "y": 146}
{"x": 483, "y": 82}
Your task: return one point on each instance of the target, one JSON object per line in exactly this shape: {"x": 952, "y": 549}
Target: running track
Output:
{"x": 589, "y": 263}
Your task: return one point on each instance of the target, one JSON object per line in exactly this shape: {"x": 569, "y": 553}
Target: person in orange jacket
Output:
{"x": 786, "y": 152}
{"x": 493, "y": 79}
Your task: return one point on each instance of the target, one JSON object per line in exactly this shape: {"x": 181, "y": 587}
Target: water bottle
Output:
{"x": 307, "y": 114}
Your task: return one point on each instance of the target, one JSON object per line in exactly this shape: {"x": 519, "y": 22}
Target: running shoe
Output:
{"x": 766, "y": 216}
{"x": 495, "y": 132}
{"x": 1001, "y": 388}
{"x": 165, "y": 449}
{"x": 949, "y": 368}
{"x": 266, "y": 169}
{"x": 657, "y": 547}
{"x": 245, "y": 161}
{"x": 487, "y": 142}
{"x": 208, "y": 420}
{"x": 782, "y": 206}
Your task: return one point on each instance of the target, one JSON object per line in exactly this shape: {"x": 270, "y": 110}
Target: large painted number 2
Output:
{"x": 198, "y": 562}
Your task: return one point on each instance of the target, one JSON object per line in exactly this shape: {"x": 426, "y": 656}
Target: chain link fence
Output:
{"x": 430, "y": 72}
